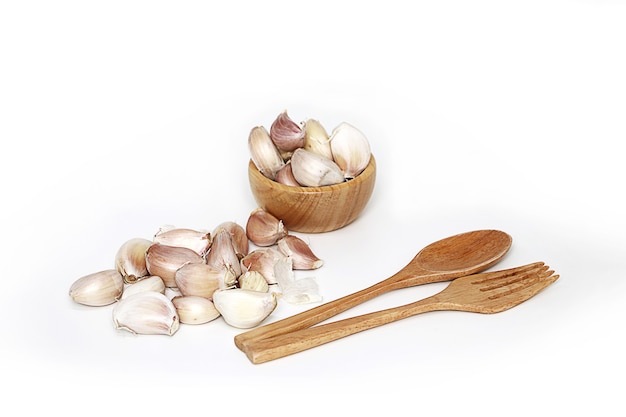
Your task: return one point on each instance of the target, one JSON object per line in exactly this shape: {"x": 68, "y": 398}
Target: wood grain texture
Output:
{"x": 445, "y": 259}
{"x": 480, "y": 293}
{"x": 314, "y": 209}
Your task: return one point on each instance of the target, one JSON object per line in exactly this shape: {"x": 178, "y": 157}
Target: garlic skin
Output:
{"x": 202, "y": 280}
{"x": 98, "y": 289}
{"x": 238, "y": 236}
{"x": 147, "y": 312}
{"x": 316, "y": 139}
{"x": 195, "y": 310}
{"x": 164, "y": 261}
{"x": 286, "y": 134}
{"x": 350, "y": 148}
{"x": 264, "y": 153}
{"x": 198, "y": 241}
{"x": 243, "y": 308}
{"x": 263, "y": 229}
{"x": 149, "y": 283}
{"x": 313, "y": 170}
{"x": 130, "y": 259}
{"x": 300, "y": 252}
{"x": 285, "y": 176}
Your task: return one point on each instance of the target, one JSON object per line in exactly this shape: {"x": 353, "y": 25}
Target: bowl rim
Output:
{"x": 366, "y": 174}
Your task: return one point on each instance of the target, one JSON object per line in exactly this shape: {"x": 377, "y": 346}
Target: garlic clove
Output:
{"x": 193, "y": 309}
{"x": 350, "y": 148}
{"x": 196, "y": 240}
{"x": 201, "y": 280}
{"x": 286, "y": 134}
{"x": 316, "y": 139}
{"x": 263, "y": 229}
{"x": 285, "y": 176}
{"x": 165, "y": 260}
{"x": 314, "y": 170}
{"x": 149, "y": 283}
{"x": 263, "y": 261}
{"x": 223, "y": 254}
{"x": 300, "y": 252}
{"x": 147, "y": 312}
{"x": 98, "y": 289}
{"x": 253, "y": 280}
{"x": 264, "y": 153}
{"x": 130, "y": 259}
{"x": 243, "y": 308}
{"x": 238, "y": 236}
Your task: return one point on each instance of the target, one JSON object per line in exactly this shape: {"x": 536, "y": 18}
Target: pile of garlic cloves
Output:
{"x": 190, "y": 276}
{"x": 305, "y": 155}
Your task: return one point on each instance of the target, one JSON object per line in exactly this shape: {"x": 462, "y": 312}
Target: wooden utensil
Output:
{"x": 490, "y": 292}
{"x": 446, "y": 259}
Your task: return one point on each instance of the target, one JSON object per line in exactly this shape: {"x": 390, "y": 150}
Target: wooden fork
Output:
{"x": 490, "y": 292}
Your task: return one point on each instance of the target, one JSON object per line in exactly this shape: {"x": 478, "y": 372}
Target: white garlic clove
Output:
{"x": 165, "y": 260}
{"x": 263, "y": 261}
{"x": 243, "y": 308}
{"x": 264, "y": 153}
{"x": 264, "y": 229}
{"x": 316, "y": 139}
{"x": 147, "y": 312}
{"x": 193, "y": 309}
{"x": 98, "y": 289}
{"x": 149, "y": 283}
{"x": 350, "y": 148}
{"x": 314, "y": 170}
{"x": 223, "y": 255}
{"x": 300, "y": 252}
{"x": 285, "y": 176}
{"x": 196, "y": 240}
{"x": 253, "y": 280}
{"x": 286, "y": 134}
{"x": 201, "y": 280}
{"x": 130, "y": 259}
{"x": 238, "y": 236}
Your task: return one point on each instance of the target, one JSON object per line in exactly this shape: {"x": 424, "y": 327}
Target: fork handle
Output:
{"x": 264, "y": 350}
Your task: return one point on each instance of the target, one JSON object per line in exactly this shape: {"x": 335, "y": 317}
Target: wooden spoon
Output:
{"x": 446, "y": 259}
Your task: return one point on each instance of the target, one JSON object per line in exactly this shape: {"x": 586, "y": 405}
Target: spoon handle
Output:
{"x": 410, "y": 275}
{"x": 265, "y": 350}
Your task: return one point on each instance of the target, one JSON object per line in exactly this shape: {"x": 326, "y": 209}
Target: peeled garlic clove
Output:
{"x": 198, "y": 241}
{"x": 285, "y": 176}
{"x": 130, "y": 259}
{"x": 238, "y": 236}
{"x": 223, "y": 255}
{"x": 147, "y": 312}
{"x": 316, "y": 139}
{"x": 193, "y": 309}
{"x": 263, "y": 229}
{"x": 149, "y": 283}
{"x": 253, "y": 280}
{"x": 314, "y": 170}
{"x": 286, "y": 134}
{"x": 165, "y": 260}
{"x": 98, "y": 289}
{"x": 201, "y": 280}
{"x": 300, "y": 252}
{"x": 263, "y": 261}
{"x": 350, "y": 148}
{"x": 243, "y": 308}
{"x": 264, "y": 154}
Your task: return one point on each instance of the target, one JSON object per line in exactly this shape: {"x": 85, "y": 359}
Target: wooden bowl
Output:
{"x": 314, "y": 209}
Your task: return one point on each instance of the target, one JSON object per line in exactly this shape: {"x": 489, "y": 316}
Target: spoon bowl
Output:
{"x": 443, "y": 260}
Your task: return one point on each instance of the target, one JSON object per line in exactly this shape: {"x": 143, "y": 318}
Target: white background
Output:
{"x": 118, "y": 117}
